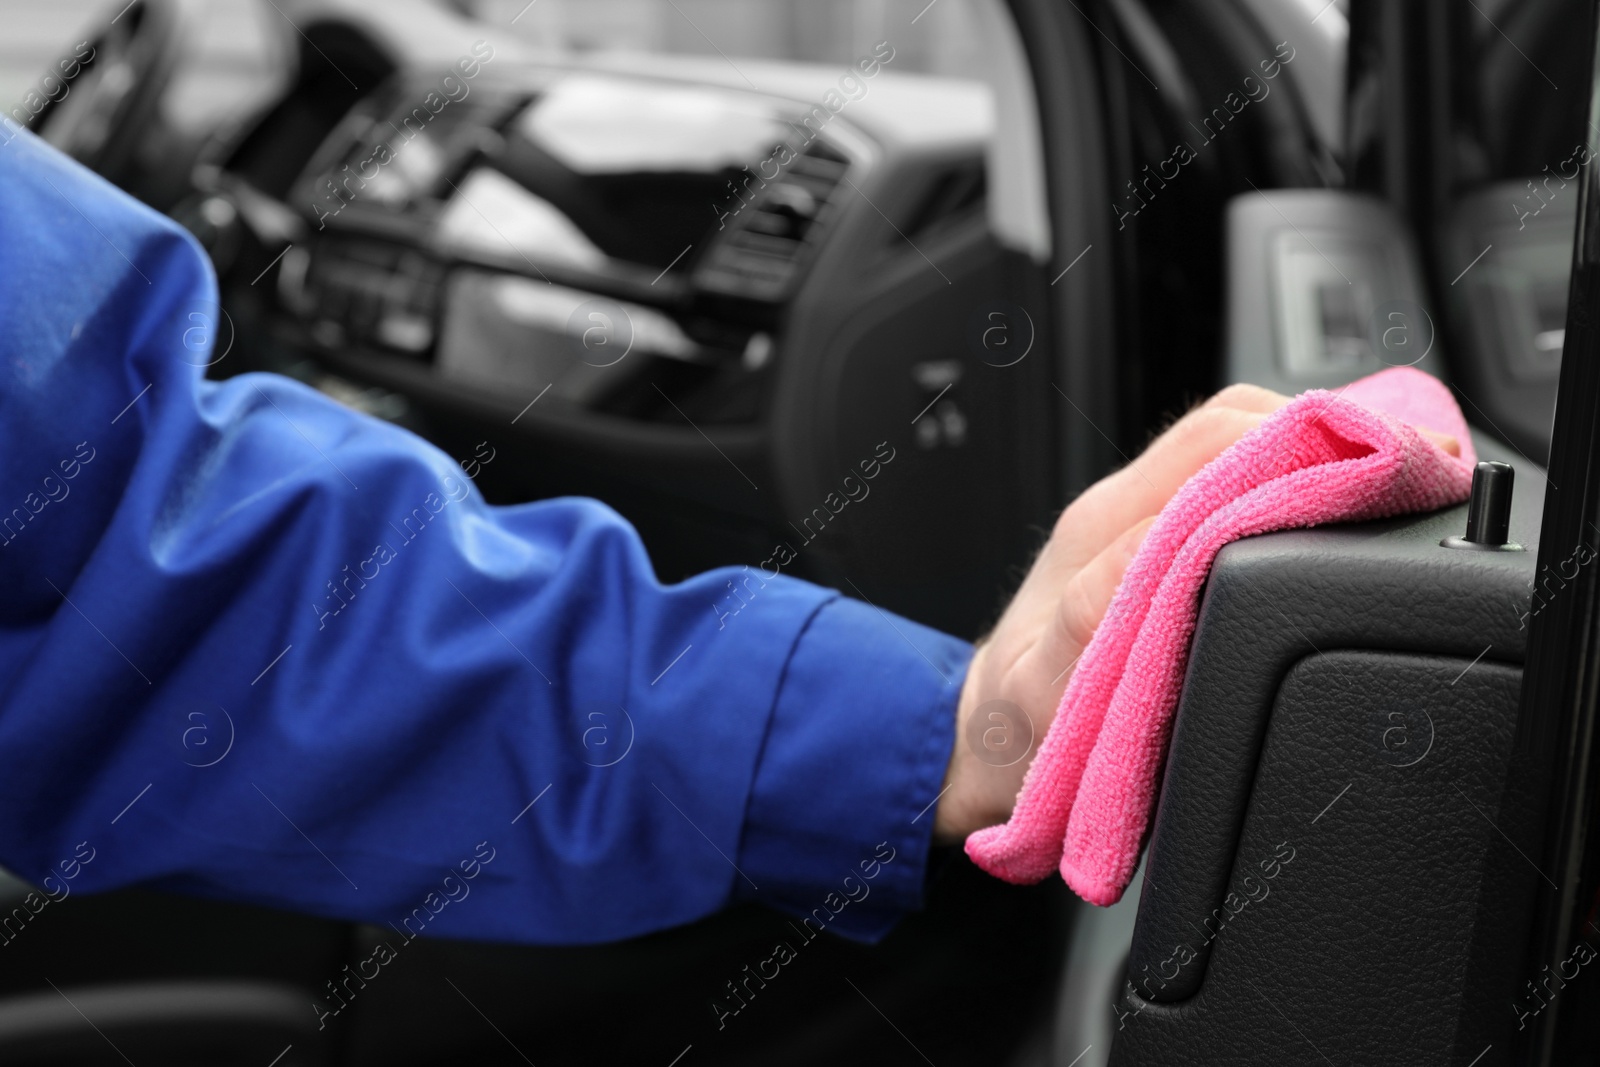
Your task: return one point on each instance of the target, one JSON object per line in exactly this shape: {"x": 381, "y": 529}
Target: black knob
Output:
{"x": 1489, "y": 509}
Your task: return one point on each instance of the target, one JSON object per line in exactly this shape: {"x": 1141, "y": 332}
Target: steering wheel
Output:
{"x": 97, "y": 102}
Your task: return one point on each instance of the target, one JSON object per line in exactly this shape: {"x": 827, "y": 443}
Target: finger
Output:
{"x": 1443, "y": 440}
{"x": 1086, "y": 597}
{"x": 1248, "y": 398}
{"x": 1140, "y": 490}
{"x": 1076, "y": 613}
{"x": 1115, "y": 503}
{"x": 1143, "y": 488}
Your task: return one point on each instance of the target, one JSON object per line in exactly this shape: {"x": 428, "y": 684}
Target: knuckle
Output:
{"x": 1207, "y": 422}
{"x": 1075, "y": 614}
{"x": 1242, "y": 395}
{"x": 1082, "y": 508}
{"x": 1206, "y": 431}
{"x": 1229, "y": 396}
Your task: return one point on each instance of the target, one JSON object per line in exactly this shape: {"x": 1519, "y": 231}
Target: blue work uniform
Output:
{"x": 257, "y": 646}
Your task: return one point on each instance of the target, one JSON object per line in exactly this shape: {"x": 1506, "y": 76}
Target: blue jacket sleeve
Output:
{"x": 256, "y": 646}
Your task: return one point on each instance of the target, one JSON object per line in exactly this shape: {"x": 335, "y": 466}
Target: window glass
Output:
{"x": 1517, "y": 145}
{"x": 944, "y": 39}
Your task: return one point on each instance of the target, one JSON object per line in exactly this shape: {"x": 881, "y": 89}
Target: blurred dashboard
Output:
{"x": 627, "y": 240}
{"x": 704, "y": 302}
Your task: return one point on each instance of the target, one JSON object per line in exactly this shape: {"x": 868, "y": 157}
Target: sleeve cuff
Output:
{"x": 841, "y": 811}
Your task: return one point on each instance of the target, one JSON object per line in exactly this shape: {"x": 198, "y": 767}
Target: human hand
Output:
{"x": 1026, "y": 661}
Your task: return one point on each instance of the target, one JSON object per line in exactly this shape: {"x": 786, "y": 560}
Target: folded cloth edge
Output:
{"x": 1363, "y": 413}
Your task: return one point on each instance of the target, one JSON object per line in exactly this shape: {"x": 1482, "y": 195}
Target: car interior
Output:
{"x": 666, "y": 256}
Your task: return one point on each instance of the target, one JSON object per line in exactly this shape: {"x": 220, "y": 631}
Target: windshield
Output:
{"x": 814, "y": 31}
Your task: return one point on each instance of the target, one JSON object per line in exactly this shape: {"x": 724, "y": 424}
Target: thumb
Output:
{"x": 1087, "y": 596}
{"x": 1085, "y": 599}
{"x": 1443, "y": 440}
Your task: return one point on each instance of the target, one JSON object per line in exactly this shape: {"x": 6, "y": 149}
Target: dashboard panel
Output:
{"x": 693, "y": 299}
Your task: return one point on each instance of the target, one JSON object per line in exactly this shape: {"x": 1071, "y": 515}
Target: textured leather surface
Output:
{"x": 1354, "y": 941}
{"x": 1271, "y": 602}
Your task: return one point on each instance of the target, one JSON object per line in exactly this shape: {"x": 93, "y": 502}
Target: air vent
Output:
{"x": 759, "y": 254}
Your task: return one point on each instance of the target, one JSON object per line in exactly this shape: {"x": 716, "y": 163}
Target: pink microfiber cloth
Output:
{"x": 1323, "y": 457}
